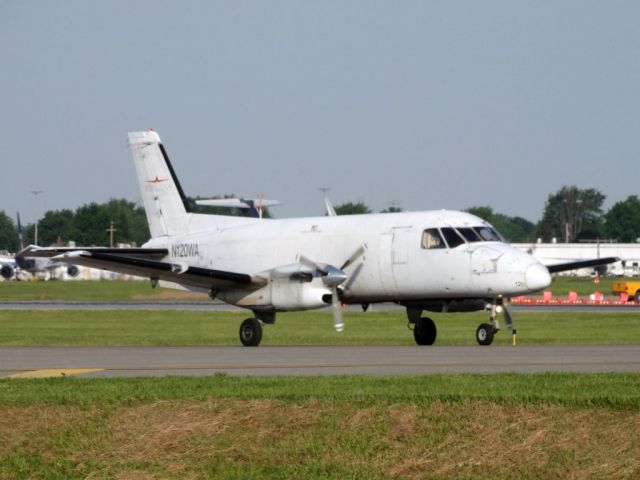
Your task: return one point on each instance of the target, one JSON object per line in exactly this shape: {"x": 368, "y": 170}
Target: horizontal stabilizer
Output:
{"x": 563, "y": 267}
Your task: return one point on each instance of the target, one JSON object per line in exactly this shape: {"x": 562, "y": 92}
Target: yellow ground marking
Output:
{"x": 55, "y": 372}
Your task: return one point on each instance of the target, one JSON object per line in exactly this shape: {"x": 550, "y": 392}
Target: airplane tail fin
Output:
{"x": 165, "y": 203}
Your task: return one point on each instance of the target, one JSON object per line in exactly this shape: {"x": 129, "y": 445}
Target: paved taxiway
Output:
{"x": 217, "y": 306}
{"x": 325, "y": 360}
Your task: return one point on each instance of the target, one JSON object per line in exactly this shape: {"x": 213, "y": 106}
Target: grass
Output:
{"x": 131, "y": 327}
{"x": 83, "y": 291}
{"x": 440, "y": 426}
{"x": 436, "y": 426}
{"x": 122, "y": 290}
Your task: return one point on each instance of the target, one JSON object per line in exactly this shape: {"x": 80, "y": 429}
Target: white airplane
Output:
{"x": 255, "y": 207}
{"x": 442, "y": 261}
{"x": 7, "y": 266}
{"x": 26, "y": 267}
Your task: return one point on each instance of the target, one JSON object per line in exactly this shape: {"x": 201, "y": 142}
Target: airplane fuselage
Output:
{"x": 398, "y": 264}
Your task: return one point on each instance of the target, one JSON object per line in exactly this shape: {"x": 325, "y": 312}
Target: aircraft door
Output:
{"x": 400, "y": 250}
{"x": 387, "y": 281}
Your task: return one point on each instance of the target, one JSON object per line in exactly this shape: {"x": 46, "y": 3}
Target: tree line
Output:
{"x": 571, "y": 214}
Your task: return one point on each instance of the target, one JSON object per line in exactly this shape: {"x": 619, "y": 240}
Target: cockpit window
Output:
{"x": 431, "y": 239}
{"x": 469, "y": 234}
{"x": 452, "y": 237}
{"x": 488, "y": 234}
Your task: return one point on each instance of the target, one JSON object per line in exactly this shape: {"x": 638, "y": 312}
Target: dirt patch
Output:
{"x": 181, "y": 438}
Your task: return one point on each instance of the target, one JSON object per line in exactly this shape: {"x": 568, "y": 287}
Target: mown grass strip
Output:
{"x": 611, "y": 390}
{"x": 162, "y": 328}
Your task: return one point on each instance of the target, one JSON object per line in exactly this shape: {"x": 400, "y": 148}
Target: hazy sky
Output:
{"x": 431, "y": 104}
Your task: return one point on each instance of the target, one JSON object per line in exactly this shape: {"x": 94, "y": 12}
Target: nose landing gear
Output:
{"x": 485, "y": 331}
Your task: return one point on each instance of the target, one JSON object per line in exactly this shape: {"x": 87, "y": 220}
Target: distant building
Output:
{"x": 550, "y": 253}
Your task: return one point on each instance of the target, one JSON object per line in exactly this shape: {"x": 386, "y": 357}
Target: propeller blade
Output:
{"x": 354, "y": 256}
{"x": 337, "y": 310}
{"x": 311, "y": 264}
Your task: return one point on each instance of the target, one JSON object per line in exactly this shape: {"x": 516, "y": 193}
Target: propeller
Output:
{"x": 332, "y": 277}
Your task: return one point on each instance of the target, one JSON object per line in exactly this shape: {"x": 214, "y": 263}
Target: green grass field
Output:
{"x": 129, "y": 327}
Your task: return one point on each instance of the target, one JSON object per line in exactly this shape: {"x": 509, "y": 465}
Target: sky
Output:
{"x": 421, "y": 104}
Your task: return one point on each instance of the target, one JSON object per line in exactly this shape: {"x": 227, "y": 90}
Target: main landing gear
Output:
{"x": 251, "y": 332}
{"x": 251, "y": 328}
{"x": 424, "y": 329}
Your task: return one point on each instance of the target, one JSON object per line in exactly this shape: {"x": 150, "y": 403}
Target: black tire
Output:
{"x": 425, "y": 331}
{"x": 638, "y": 296}
{"x": 484, "y": 334}
{"x": 251, "y": 332}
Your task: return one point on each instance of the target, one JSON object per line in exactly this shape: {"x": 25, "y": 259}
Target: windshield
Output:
{"x": 434, "y": 238}
{"x": 488, "y": 234}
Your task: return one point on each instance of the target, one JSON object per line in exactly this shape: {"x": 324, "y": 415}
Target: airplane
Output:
{"x": 434, "y": 261}
{"x": 7, "y": 266}
{"x": 40, "y": 267}
{"x": 255, "y": 207}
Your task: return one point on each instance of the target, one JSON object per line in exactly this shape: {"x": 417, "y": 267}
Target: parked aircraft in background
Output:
{"x": 7, "y": 266}
{"x": 43, "y": 268}
{"x": 440, "y": 261}
{"x": 254, "y": 207}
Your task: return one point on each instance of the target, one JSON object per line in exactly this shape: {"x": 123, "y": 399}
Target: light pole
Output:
{"x": 35, "y": 239}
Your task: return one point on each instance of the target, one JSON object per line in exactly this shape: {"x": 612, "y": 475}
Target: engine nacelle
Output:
{"x": 7, "y": 272}
{"x": 73, "y": 271}
{"x": 291, "y": 287}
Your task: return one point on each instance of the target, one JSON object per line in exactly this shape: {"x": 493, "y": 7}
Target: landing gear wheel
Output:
{"x": 484, "y": 334}
{"x": 251, "y": 332}
{"x": 425, "y": 331}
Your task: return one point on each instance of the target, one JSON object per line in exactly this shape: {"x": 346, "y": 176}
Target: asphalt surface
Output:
{"x": 216, "y": 306}
{"x": 325, "y": 360}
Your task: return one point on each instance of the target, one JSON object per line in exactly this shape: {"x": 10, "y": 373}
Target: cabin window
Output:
{"x": 431, "y": 239}
{"x": 452, "y": 237}
{"x": 489, "y": 234}
{"x": 469, "y": 234}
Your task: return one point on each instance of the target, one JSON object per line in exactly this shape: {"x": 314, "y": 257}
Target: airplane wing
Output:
{"x": 563, "y": 267}
{"x": 133, "y": 262}
{"x": 48, "y": 252}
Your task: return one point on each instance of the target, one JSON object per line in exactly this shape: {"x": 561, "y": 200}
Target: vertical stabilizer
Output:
{"x": 165, "y": 203}
{"x": 20, "y": 236}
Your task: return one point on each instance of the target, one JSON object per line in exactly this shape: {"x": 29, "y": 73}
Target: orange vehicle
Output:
{"x": 630, "y": 288}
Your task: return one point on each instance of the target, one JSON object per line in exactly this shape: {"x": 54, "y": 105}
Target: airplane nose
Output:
{"x": 537, "y": 277}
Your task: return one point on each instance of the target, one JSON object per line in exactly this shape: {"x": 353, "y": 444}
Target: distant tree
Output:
{"x": 91, "y": 222}
{"x": 622, "y": 221}
{"x": 391, "y": 209}
{"x": 572, "y": 213}
{"x": 514, "y": 229}
{"x": 351, "y": 208}
{"x": 56, "y": 227}
{"x": 8, "y": 233}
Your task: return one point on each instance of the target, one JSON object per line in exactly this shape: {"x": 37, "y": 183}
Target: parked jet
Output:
{"x": 254, "y": 207}
{"x": 7, "y": 266}
{"x": 41, "y": 267}
{"x": 441, "y": 261}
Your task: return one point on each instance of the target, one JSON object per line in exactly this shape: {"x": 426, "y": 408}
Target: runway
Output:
{"x": 310, "y": 361}
{"x": 217, "y": 306}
